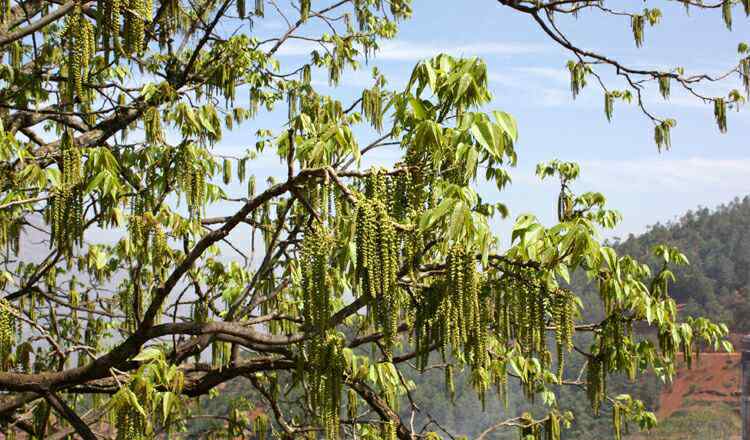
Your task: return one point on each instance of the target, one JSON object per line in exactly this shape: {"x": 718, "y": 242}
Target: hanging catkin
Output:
{"x": 66, "y": 200}
{"x": 7, "y": 333}
{"x": 78, "y": 34}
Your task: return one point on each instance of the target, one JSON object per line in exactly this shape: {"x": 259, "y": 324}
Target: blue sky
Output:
{"x": 530, "y": 81}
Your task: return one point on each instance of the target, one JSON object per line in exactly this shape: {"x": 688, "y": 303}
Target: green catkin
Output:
{"x": 377, "y": 262}
{"x": 111, "y": 13}
{"x": 160, "y": 251}
{"x": 726, "y": 13}
{"x": 316, "y": 282}
{"x": 450, "y": 387}
{"x": 662, "y": 135}
{"x": 226, "y": 171}
{"x": 389, "y": 431}
{"x": 130, "y": 423}
{"x": 7, "y": 333}
{"x": 595, "y": 387}
{"x": 744, "y": 67}
{"x": 609, "y": 106}
{"x": 664, "y": 83}
{"x": 636, "y": 23}
{"x": 326, "y": 381}
{"x": 372, "y": 107}
{"x": 78, "y": 34}
{"x": 192, "y": 181}
{"x": 135, "y": 27}
{"x": 259, "y": 8}
{"x": 261, "y": 426}
{"x": 720, "y": 113}
{"x": 66, "y": 200}
{"x": 304, "y": 9}
{"x": 152, "y": 126}
{"x": 5, "y": 10}
{"x": 552, "y": 427}
{"x": 352, "y": 406}
{"x": 241, "y": 169}
{"x": 616, "y": 421}
{"x": 306, "y": 74}
{"x": 16, "y": 54}
{"x": 220, "y": 354}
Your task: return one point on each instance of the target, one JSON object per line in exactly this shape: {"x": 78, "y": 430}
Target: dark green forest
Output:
{"x": 716, "y": 284}
{"x": 717, "y": 243}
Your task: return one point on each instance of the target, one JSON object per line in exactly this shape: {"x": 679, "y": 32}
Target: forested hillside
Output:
{"x": 717, "y": 243}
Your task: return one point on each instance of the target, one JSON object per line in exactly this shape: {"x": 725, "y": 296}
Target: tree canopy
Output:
{"x": 125, "y": 302}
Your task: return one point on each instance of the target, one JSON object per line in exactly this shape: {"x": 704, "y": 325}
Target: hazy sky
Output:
{"x": 530, "y": 81}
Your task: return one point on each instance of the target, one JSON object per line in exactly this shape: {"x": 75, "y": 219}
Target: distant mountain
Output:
{"x": 716, "y": 284}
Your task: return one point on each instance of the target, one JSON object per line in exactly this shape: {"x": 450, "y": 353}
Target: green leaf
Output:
{"x": 168, "y": 399}
{"x": 148, "y": 354}
{"x": 434, "y": 215}
{"x": 727, "y": 346}
{"x": 508, "y": 124}
{"x": 419, "y": 111}
{"x": 483, "y": 133}
{"x": 563, "y": 271}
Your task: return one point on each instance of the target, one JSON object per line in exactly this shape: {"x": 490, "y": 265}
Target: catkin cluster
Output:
{"x": 148, "y": 236}
{"x": 316, "y": 282}
{"x": 454, "y": 312}
{"x": 221, "y": 354}
{"x": 636, "y": 24}
{"x": 261, "y": 426}
{"x": 79, "y": 40}
{"x": 388, "y": 431}
{"x": 135, "y": 25}
{"x": 66, "y": 200}
{"x": 462, "y": 310}
{"x": 372, "y": 107}
{"x": 130, "y": 420}
{"x": 131, "y": 424}
{"x": 377, "y": 263}
{"x": 545, "y": 429}
{"x": 192, "y": 179}
{"x": 152, "y": 126}
{"x": 563, "y": 308}
{"x": 520, "y": 313}
{"x": 130, "y": 299}
{"x": 7, "y": 333}
{"x": 124, "y": 24}
{"x": 328, "y": 367}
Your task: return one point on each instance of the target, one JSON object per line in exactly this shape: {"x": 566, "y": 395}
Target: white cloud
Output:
{"x": 292, "y": 48}
{"x": 507, "y": 80}
{"x": 413, "y": 50}
{"x": 560, "y": 76}
{"x": 669, "y": 175}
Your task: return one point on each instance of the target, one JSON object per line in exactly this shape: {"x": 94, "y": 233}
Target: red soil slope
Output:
{"x": 715, "y": 378}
